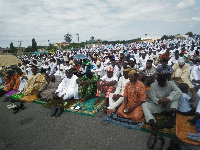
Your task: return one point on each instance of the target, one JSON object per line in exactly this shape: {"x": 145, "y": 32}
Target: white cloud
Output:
{"x": 106, "y": 19}
{"x": 186, "y": 3}
{"x": 196, "y": 18}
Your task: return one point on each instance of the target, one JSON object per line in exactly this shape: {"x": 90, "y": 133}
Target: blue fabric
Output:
{"x": 168, "y": 69}
{"x": 92, "y": 66}
{"x": 183, "y": 103}
{"x": 124, "y": 122}
{"x": 198, "y": 125}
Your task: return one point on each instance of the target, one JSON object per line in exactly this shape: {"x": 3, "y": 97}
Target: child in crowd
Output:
{"x": 184, "y": 106}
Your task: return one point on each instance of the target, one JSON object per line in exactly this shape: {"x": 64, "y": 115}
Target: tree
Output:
{"x": 164, "y": 37}
{"x": 34, "y": 45}
{"x": 68, "y": 37}
{"x": 190, "y": 34}
{"x": 12, "y": 48}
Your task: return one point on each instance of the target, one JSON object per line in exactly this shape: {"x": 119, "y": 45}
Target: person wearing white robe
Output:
{"x": 116, "y": 98}
{"x": 99, "y": 69}
{"x": 68, "y": 88}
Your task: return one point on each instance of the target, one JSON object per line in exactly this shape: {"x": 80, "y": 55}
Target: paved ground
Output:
{"x": 34, "y": 129}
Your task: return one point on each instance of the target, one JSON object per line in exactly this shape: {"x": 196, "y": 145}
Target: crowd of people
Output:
{"x": 121, "y": 73}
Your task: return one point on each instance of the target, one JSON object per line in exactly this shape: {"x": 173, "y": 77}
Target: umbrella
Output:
{"x": 8, "y": 60}
{"x": 80, "y": 56}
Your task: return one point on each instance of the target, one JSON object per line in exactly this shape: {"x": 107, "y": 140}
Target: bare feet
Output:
{"x": 97, "y": 101}
{"x": 109, "y": 111}
{"x": 104, "y": 109}
{"x": 83, "y": 100}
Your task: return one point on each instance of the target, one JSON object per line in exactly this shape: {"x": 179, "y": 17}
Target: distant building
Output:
{"x": 93, "y": 42}
{"x": 181, "y": 36}
{"x": 60, "y": 45}
{"x": 150, "y": 38}
{"x": 4, "y": 51}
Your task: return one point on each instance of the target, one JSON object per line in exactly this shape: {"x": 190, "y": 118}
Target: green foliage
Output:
{"x": 12, "y": 48}
{"x": 28, "y": 49}
{"x": 68, "y": 37}
{"x": 34, "y": 45}
{"x": 166, "y": 37}
{"x": 190, "y": 34}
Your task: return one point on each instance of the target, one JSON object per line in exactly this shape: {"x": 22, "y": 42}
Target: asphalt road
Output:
{"x": 34, "y": 129}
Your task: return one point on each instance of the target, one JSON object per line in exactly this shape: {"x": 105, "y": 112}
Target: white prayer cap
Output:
{"x": 98, "y": 62}
{"x": 181, "y": 61}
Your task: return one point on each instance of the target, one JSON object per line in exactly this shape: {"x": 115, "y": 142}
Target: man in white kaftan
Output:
{"x": 68, "y": 88}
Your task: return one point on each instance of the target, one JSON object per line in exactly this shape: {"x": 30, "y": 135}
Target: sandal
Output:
{"x": 151, "y": 140}
{"x": 160, "y": 141}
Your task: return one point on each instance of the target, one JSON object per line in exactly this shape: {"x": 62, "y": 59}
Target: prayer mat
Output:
{"x": 29, "y": 98}
{"x": 60, "y": 103}
{"x": 41, "y": 101}
{"x": 17, "y": 96}
{"x": 88, "y": 108}
{"x": 2, "y": 86}
{"x": 11, "y": 92}
{"x": 124, "y": 122}
{"x": 161, "y": 119}
{"x": 183, "y": 127}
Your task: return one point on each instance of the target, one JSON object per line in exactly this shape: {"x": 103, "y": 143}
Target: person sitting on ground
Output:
{"x": 184, "y": 107}
{"x": 76, "y": 67}
{"x": 11, "y": 81}
{"x": 165, "y": 95}
{"x": 165, "y": 69}
{"x": 82, "y": 70}
{"x": 133, "y": 65}
{"x": 68, "y": 88}
{"x": 35, "y": 81}
{"x": 50, "y": 86}
{"x": 197, "y": 115}
{"x": 195, "y": 77}
{"x": 148, "y": 75}
{"x": 116, "y": 98}
{"x": 181, "y": 75}
{"x": 107, "y": 84}
{"x": 20, "y": 82}
{"x": 98, "y": 69}
{"x": 87, "y": 86}
{"x": 134, "y": 96}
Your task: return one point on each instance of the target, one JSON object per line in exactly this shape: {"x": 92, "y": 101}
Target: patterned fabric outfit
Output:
{"x": 135, "y": 92}
{"x": 49, "y": 88}
{"x": 32, "y": 87}
{"x": 119, "y": 90}
{"x": 89, "y": 90}
{"x": 184, "y": 73}
{"x": 107, "y": 89}
{"x": 10, "y": 83}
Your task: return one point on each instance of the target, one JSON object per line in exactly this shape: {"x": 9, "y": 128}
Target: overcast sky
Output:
{"x": 22, "y": 20}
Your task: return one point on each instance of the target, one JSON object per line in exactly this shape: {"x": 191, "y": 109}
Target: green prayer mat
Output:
{"x": 88, "y": 108}
{"x": 161, "y": 119}
{"x": 60, "y": 103}
{"x": 41, "y": 101}
{"x": 17, "y": 96}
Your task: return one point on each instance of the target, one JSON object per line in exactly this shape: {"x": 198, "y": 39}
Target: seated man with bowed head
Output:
{"x": 107, "y": 85}
{"x": 165, "y": 95}
{"x": 116, "y": 98}
{"x": 35, "y": 82}
{"x": 165, "y": 69}
{"x": 87, "y": 86}
{"x": 68, "y": 88}
{"x": 50, "y": 86}
{"x": 134, "y": 96}
{"x": 181, "y": 75}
